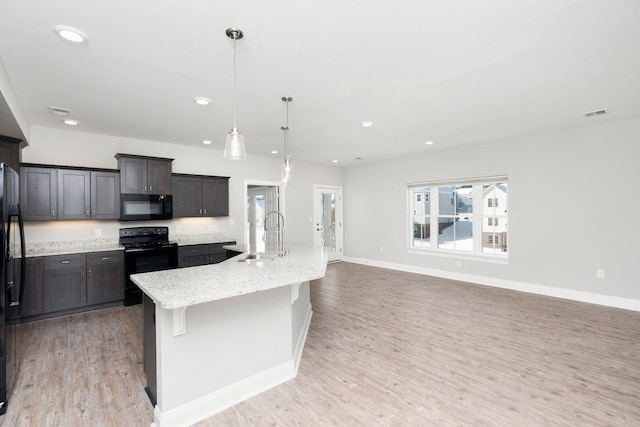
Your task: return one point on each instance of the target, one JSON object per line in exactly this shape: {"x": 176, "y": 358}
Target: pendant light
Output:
{"x": 234, "y": 147}
{"x": 286, "y": 166}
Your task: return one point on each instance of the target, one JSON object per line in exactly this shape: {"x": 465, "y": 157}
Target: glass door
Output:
{"x": 327, "y": 220}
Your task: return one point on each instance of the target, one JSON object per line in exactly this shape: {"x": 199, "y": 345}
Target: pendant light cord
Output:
{"x": 235, "y": 94}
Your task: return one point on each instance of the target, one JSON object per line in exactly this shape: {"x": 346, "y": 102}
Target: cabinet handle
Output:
{"x": 53, "y": 212}
{"x": 87, "y": 212}
{"x": 205, "y": 211}
{"x": 145, "y": 188}
{"x": 84, "y": 274}
{"x": 106, "y": 258}
{"x": 150, "y": 190}
{"x": 94, "y": 212}
{"x": 200, "y": 211}
{"x": 66, "y": 261}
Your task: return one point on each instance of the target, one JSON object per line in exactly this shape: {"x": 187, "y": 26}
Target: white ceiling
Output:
{"x": 454, "y": 72}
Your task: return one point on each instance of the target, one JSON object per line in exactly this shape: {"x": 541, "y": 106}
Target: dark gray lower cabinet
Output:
{"x": 32, "y": 302}
{"x": 105, "y": 277}
{"x": 73, "y": 283}
{"x": 210, "y": 253}
{"x": 65, "y": 282}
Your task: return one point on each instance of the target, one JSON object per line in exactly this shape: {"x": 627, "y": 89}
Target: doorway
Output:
{"x": 327, "y": 220}
{"x": 262, "y": 198}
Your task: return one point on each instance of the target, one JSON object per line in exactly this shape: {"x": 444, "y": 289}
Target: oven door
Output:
{"x": 140, "y": 207}
{"x": 144, "y": 260}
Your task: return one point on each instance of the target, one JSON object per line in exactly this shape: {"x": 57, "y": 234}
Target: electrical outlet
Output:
{"x": 381, "y": 249}
{"x": 213, "y": 227}
{"x": 98, "y": 232}
{"x": 232, "y": 221}
{"x": 600, "y": 273}
{"x": 459, "y": 264}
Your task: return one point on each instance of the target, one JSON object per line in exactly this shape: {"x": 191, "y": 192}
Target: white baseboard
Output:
{"x": 552, "y": 291}
{"x": 220, "y": 400}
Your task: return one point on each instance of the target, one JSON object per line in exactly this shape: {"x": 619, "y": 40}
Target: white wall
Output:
{"x": 72, "y": 148}
{"x": 589, "y": 177}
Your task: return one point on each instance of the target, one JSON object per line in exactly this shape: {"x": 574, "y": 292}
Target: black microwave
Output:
{"x": 140, "y": 207}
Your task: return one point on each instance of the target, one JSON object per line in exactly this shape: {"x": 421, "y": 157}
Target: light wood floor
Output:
{"x": 385, "y": 348}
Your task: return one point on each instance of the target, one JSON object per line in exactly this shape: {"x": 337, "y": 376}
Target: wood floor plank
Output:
{"x": 384, "y": 348}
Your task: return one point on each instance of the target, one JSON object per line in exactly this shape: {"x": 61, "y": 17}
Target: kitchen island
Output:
{"x": 225, "y": 332}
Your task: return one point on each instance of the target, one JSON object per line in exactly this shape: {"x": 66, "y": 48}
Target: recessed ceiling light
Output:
{"x": 334, "y": 161}
{"x": 71, "y": 34}
{"x": 207, "y": 141}
{"x": 428, "y": 143}
{"x": 201, "y": 100}
{"x": 366, "y": 124}
{"x": 274, "y": 151}
{"x": 71, "y": 122}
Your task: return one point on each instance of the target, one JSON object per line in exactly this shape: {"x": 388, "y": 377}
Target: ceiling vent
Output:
{"x": 596, "y": 113}
{"x": 57, "y": 111}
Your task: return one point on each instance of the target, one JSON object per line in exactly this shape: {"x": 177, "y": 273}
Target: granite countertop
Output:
{"x": 100, "y": 245}
{"x": 184, "y": 287}
{"x": 71, "y": 247}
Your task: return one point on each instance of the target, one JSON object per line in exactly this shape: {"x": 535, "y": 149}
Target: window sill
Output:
{"x": 493, "y": 259}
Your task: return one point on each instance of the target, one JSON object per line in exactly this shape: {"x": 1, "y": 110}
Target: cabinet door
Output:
{"x": 191, "y": 255}
{"x": 65, "y": 288}
{"x": 159, "y": 176}
{"x": 105, "y": 277}
{"x": 32, "y": 303}
{"x": 105, "y": 195}
{"x": 38, "y": 193}
{"x": 187, "y": 197}
{"x": 133, "y": 175}
{"x": 215, "y": 196}
{"x": 74, "y": 194}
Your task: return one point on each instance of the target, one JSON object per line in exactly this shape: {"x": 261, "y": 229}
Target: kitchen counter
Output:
{"x": 71, "y": 247}
{"x": 100, "y": 245}
{"x": 216, "y": 335}
{"x": 184, "y": 287}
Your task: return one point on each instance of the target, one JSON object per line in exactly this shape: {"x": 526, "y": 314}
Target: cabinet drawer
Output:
{"x": 193, "y": 250}
{"x": 56, "y": 262}
{"x": 100, "y": 258}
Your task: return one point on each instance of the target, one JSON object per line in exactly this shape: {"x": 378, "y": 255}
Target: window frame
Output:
{"x": 479, "y": 212}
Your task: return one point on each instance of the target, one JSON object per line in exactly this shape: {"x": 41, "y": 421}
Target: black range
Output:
{"x": 145, "y": 249}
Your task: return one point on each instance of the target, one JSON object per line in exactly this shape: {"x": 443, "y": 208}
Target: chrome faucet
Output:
{"x": 278, "y": 231}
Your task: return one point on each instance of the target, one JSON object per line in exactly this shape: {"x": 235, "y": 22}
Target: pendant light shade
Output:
{"x": 234, "y": 146}
{"x": 286, "y": 166}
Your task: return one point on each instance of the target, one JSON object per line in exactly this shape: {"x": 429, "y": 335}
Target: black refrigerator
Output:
{"x": 12, "y": 278}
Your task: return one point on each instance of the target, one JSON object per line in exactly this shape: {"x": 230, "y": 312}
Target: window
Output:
{"x": 469, "y": 216}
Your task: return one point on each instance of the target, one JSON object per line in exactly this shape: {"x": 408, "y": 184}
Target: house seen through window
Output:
{"x": 469, "y": 216}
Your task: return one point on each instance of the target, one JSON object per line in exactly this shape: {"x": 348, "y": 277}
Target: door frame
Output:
{"x": 256, "y": 182}
{"x": 339, "y": 254}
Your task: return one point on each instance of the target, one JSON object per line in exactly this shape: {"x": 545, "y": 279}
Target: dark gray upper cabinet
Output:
{"x": 74, "y": 194}
{"x": 39, "y": 193}
{"x": 196, "y": 195}
{"x": 144, "y": 175}
{"x": 10, "y": 149}
{"x": 105, "y": 195}
{"x": 69, "y": 194}
{"x": 187, "y": 197}
{"x": 215, "y": 196}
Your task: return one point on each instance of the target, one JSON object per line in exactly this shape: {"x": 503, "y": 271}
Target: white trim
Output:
{"x": 551, "y": 291}
{"x": 302, "y": 338}
{"x": 213, "y": 403}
